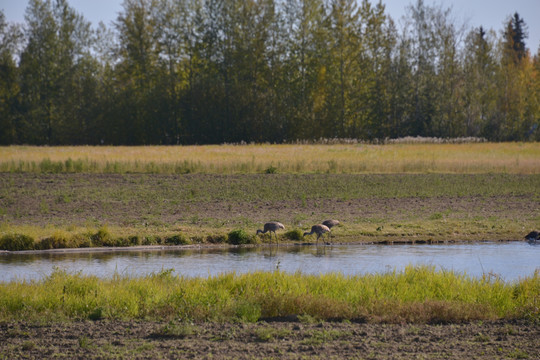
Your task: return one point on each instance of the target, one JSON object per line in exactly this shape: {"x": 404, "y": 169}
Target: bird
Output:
{"x": 330, "y": 224}
{"x": 271, "y": 226}
{"x": 533, "y": 236}
{"x": 318, "y": 229}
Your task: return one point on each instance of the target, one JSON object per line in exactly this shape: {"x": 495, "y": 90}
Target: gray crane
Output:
{"x": 271, "y": 227}
{"x": 318, "y": 229}
{"x": 330, "y": 223}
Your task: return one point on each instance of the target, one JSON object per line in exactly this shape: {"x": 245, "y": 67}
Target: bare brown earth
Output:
{"x": 272, "y": 340}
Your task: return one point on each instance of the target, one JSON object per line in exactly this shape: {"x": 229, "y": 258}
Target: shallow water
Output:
{"x": 508, "y": 260}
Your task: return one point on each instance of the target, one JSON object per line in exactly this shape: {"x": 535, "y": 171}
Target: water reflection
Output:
{"x": 508, "y": 260}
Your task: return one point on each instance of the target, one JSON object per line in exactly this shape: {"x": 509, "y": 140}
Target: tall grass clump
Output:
{"x": 240, "y": 237}
{"x": 102, "y": 237}
{"x": 16, "y": 242}
{"x": 294, "y": 234}
{"x": 415, "y": 295}
{"x": 178, "y": 239}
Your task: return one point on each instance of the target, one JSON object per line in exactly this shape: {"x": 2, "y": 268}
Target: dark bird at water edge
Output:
{"x": 533, "y": 236}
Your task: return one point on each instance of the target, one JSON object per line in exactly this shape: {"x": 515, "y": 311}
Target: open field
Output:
{"x": 205, "y": 208}
{"x": 109, "y": 196}
{"x": 513, "y": 158}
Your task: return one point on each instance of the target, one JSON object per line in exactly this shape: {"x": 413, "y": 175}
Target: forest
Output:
{"x": 231, "y": 71}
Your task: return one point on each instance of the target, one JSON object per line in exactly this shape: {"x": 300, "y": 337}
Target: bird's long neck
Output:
{"x": 260, "y": 231}
{"x": 308, "y": 233}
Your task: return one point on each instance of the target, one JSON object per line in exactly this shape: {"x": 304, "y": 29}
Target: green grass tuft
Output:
{"x": 294, "y": 234}
{"x": 102, "y": 237}
{"x": 178, "y": 239}
{"x": 240, "y": 237}
{"x": 16, "y": 242}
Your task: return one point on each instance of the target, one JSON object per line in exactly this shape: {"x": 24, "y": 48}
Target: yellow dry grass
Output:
{"x": 514, "y": 158}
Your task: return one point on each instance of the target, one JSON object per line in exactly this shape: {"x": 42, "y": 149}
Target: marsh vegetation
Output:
{"x": 415, "y": 295}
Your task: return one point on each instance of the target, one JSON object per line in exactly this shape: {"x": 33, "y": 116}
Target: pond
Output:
{"x": 507, "y": 260}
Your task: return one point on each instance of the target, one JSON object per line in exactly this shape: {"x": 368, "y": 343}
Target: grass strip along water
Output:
{"x": 414, "y": 295}
{"x": 44, "y": 211}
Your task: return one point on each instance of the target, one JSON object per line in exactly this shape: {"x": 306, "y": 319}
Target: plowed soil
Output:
{"x": 272, "y": 340}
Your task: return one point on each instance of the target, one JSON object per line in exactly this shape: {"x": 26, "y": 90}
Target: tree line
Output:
{"x": 215, "y": 71}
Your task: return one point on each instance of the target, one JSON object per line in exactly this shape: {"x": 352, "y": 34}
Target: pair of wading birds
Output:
{"x": 319, "y": 229}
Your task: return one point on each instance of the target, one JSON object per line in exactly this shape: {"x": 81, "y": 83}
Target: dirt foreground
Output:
{"x": 269, "y": 340}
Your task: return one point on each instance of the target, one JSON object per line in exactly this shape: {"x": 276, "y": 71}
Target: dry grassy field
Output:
{"x": 468, "y": 158}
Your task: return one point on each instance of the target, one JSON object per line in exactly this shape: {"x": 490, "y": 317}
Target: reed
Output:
{"x": 414, "y": 295}
{"x": 399, "y": 157}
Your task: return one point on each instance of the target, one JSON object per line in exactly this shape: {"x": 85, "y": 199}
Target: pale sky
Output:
{"x": 491, "y": 14}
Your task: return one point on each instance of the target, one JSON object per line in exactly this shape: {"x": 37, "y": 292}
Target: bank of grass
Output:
{"x": 32, "y": 238}
{"x": 515, "y": 158}
{"x": 70, "y": 210}
{"x": 432, "y": 230}
{"x": 416, "y": 295}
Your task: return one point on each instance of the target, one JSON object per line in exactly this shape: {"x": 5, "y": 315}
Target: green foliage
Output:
{"x": 247, "y": 311}
{"x": 436, "y": 216}
{"x": 415, "y": 295}
{"x": 216, "y": 239}
{"x": 151, "y": 240}
{"x": 332, "y": 69}
{"x": 294, "y": 234}
{"x": 134, "y": 240}
{"x": 178, "y": 239}
{"x": 16, "y": 242}
{"x": 84, "y": 342}
{"x": 96, "y": 314}
{"x": 48, "y": 166}
{"x": 102, "y": 237}
{"x": 240, "y": 237}
{"x": 56, "y": 241}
